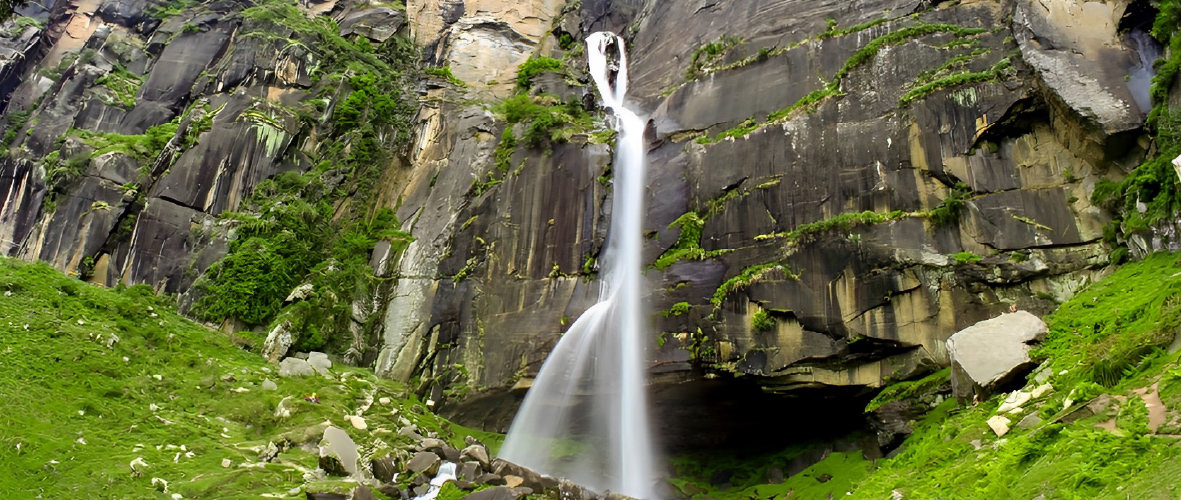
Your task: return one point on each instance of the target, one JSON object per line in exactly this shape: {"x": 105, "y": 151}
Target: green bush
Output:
{"x": 762, "y": 322}
{"x": 533, "y": 67}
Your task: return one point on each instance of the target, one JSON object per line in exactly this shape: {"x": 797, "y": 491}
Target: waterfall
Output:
{"x": 1140, "y": 75}
{"x": 586, "y": 416}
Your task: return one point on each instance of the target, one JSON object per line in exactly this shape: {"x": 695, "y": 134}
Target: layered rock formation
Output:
{"x": 836, "y": 187}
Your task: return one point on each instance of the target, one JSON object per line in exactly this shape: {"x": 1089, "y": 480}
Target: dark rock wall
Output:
{"x": 862, "y": 303}
{"x": 972, "y": 115}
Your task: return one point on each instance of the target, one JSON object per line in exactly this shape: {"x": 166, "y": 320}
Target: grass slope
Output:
{"x": 76, "y": 405}
{"x": 1113, "y": 326}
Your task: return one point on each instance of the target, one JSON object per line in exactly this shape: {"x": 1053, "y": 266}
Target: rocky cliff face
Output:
{"x": 836, "y": 187}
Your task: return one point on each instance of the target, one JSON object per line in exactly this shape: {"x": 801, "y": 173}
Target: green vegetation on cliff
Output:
{"x": 316, "y": 229}
{"x": 833, "y": 85}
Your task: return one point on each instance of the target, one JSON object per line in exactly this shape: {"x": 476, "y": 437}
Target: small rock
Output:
{"x": 269, "y": 452}
{"x": 1042, "y": 390}
{"x": 421, "y": 490}
{"x": 522, "y": 491}
{"x": 468, "y": 471}
{"x": 424, "y": 462}
{"x": 476, "y": 452}
{"x": 1014, "y": 401}
{"x": 895, "y": 495}
{"x": 431, "y": 444}
{"x": 468, "y": 440}
{"x": 225, "y": 462}
{"x": 384, "y": 401}
{"x": 267, "y": 385}
{"x": 449, "y": 454}
{"x": 489, "y": 478}
{"x": 358, "y": 422}
{"x": 160, "y": 485}
{"x": 513, "y": 481}
{"x": 999, "y": 425}
{"x": 1030, "y": 421}
{"x": 385, "y": 469}
{"x": 824, "y": 478}
{"x": 410, "y": 432}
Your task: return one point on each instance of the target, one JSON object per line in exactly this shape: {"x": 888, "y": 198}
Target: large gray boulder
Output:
{"x": 295, "y": 367}
{"x": 992, "y": 353}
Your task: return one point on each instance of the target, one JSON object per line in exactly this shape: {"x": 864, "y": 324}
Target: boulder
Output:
{"x": 337, "y": 445}
{"x": 385, "y": 468}
{"x": 490, "y": 478}
{"x": 476, "y": 452}
{"x": 268, "y": 385}
{"x": 295, "y": 367}
{"x": 278, "y": 342}
{"x": 377, "y": 24}
{"x": 363, "y": 493}
{"x": 992, "y": 353}
{"x": 320, "y": 363}
{"x": 424, "y": 462}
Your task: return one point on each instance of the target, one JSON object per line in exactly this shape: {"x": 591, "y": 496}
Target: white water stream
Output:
{"x": 586, "y": 416}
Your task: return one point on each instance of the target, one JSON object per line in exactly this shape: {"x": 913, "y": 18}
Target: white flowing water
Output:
{"x": 586, "y": 416}
{"x": 446, "y": 473}
{"x": 1140, "y": 76}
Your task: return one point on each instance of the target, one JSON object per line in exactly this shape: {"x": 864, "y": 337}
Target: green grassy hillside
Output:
{"x": 92, "y": 379}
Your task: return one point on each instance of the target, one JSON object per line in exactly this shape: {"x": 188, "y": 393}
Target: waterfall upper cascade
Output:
{"x": 1140, "y": 75}
{"x": 586, "y": 417}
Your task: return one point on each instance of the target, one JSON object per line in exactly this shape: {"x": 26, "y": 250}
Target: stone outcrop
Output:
{"x": 992, "y": 353}
{"x": 791, "y": 295}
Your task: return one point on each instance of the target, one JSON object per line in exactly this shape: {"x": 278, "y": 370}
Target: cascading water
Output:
{"x": 586, "y": 416}
{"x": 1140, "y": 75}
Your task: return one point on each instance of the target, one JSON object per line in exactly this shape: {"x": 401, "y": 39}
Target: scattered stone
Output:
{"x": 992, "y": 353}
{"x": 409, "y": 432}
{"x": 320, "y": 363}
{"x": 269, "y": 452}
{"x": 424, "y": 462}
{"x": 513, "y": 481}
{"x": 490, "y": 478}
{"x": 267, "y": 385}
{"x": 464, "y": 485}
{"x": 522, "y": 491}
{"x": 1029, "y": 422}
{"x": 431, "y": 444}
{"x": 295, "y": 367}
{"x": 976, "y": 444}
{"x": 469, "y": 440}
{"x": 160, "y": 485}
{"x": 385, "y": 469}
{"x": 384, "y": 401}
{"x": 999, "y": 425}
{"x": 895, "y": 495}
{"x": 476, "y": 452}
{"x": 357, "y": 421}
{"x": 421, "y": 490}
{"x": 1014, "y": 401}
{"x": 1041, "y": 390}
{"x": 449, "y": 454}
{"x": 468, "y": 471}
{"x": 226, "y": 463}
{"x": 281, "y": 410}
